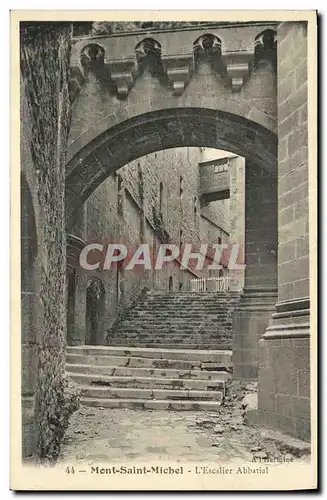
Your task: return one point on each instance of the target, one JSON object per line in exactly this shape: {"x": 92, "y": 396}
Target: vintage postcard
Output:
{"x": 163, "y": 245}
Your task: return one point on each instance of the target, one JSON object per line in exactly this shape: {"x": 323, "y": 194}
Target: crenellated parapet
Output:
{"x": 232, "y": 51}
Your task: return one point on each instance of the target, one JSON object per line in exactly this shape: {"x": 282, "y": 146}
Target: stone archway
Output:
{"x": 149, "y": 132}
{"x": 201, "y": 127}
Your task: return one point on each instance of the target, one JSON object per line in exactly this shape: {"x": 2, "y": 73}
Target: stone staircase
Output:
{"x": 180, "y": 320}
{"x": 149, "y": 378}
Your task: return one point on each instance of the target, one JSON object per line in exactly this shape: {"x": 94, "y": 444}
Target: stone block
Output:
{"x": 301, "y": 288}
{"x": 287, "y": 252}
{"x": 286, "y": 88}
{"x": 292, "y": 197}
{"x": 156, "y": 405}
{"x": 297, "y": 139}
{"x": 286, "y": 216}
{"x": 282, "y": 149}
{"x": 301, "y": 74}
{"x": 29, "y": 430}
{"x": 296, "y": 177}
{"x": 29, "y": 368}
{"x": 30, "y": 307}
{"x": 303, "y": 111}
{"x": 302, "y": 408}
{"x": 245, "y": 372}
{"x": 292, "y": 231}
{"x": 302, "y": 246}
{"x": 244, "y": 356}
{"x": 286, "y": 291}
{"x": 263, "y": 355}
{"x": 303, "y": 428}
{"x": 267, "y": 378}
{"x": 292, "y": 104}
{"x": 286, "y": 381}
{"x": 297, "y": 159}
{"x": 301, "y": 208}
{"x": 266, "y": 400}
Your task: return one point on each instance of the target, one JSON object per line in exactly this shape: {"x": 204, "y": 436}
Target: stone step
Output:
{"x": 174, "y": 328}
{"x": 153, "y": 354}
{"x": 113, "y": 341}
{"x": 146, "y": 404}
{"x": 169, "y": 373}
{"x": 173, "y": 343}
{"x": 177, "y": 332}
{"x": 171, "y": 321}
{"x": 198, "y": 335}
{"x": 93, "y": 391}
{"x": 135, "y": 362}
{"x": 161, "y": 309}
{"x": 200, "y": 342}
{"x": 170, "y": 338}
{"x": 201, "y": 298}
{"x": 151, "y": 382}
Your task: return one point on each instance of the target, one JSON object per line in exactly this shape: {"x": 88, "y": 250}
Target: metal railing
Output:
{"x": 215, "y": 284}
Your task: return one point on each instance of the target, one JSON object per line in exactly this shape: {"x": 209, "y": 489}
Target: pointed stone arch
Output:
{"x": 111, "y": 147}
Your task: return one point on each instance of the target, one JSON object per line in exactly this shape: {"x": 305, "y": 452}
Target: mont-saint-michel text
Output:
{"x": 169, "y": 470}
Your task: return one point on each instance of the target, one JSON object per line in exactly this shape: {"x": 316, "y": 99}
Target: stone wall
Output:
{"x": 45, "y": 67}
{"x": 31, "y": 306}
{"x": 284, "y": 376}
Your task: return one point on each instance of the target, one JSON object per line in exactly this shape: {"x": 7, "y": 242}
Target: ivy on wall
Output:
{"x": 45, "y": 53}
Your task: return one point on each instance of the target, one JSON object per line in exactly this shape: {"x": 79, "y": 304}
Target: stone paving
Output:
{"x": 102, "y": 434}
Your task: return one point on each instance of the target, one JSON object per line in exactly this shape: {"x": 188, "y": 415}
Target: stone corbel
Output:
{"x": 237, "y": 66}
{"x": 179, "y": 70}
{"x": 123, "y": 74}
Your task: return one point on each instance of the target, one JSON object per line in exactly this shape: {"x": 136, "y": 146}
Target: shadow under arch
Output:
{"x": 164, "y": 129}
